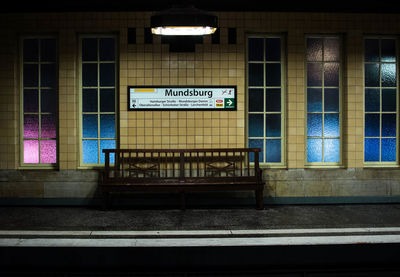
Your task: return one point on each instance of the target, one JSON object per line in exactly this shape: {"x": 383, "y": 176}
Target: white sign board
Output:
{"x": 182, "y": 98}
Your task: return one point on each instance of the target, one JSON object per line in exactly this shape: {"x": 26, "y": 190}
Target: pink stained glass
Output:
{"x": 48, "y": 151}
{"x": 31, "y": 126}
{"x": 48, "y": 129}
{"x": 31, "y": 151}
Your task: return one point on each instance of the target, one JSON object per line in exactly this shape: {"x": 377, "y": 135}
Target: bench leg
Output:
{"x": 183, "y": 201}
{"x": 259, "y": 199}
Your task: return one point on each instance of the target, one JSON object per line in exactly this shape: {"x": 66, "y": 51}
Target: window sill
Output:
{"x": 89, "y": 167}
{"x": 377, "y": 166}
{"x": 269, "y": 166}
{"x": 320, "y": 166}
{"x": 38, "y": 167}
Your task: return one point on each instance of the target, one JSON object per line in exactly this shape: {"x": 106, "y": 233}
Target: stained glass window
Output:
{"x": 98, "y": 102}
{"x": 265, "y": 97}
{"x": 323, "y": 100}
{"x": 380, "y": 100}
{"x": 39, "y": 100}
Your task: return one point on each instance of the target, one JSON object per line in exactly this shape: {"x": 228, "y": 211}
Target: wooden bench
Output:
{"x": 182, "y": 171}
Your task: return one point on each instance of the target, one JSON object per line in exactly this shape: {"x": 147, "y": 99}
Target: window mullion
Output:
{"x": 264, "y": 139}
{"x": 316, "y": 48}
{"x": 36, "y": 61}
{"x": 39, "y": 100}
{"x": 380, "y": 99}
{"x": 98, "y": 101}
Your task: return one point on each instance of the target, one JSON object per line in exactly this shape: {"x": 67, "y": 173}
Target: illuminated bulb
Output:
{"x": 183, "y": 30}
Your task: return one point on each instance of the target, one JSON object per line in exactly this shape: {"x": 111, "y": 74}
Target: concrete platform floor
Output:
{"x": 238, "y": 218}
{"x": 295, "y": 240}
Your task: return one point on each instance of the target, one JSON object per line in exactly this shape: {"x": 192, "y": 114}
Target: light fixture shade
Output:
{"x": 183, "y": 21}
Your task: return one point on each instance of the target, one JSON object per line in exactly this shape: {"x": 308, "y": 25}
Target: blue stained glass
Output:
{"x": 371, "y": 50}
{"x": 388, "y": 150}
{"x": 314, "y": 125}
{"x": 331, "y": 74}
{"x": 273, "y": 74}
{"x": 331, "y": 150}
{"x": 89, "y": 122}
{"x": 107, "y": 100}
{"x": 331, "y": 100}
{"x": 314, "y": 100}
{"x": 256, "y": 143}
{"x": 314, "y": 74}
{"x": 273, "y": 150}
{"x": 273, "y": 100}
{"x": 107, "y": 126}
{"x": 314, "y": 150}
{"x": 273, "y": 122}
{"x": 314, "y": 49}
{"x": 107, "y": 74}
{"x": 256, "y": 48}
{"x": 89, "y": 75}
{"x": 107, "y": 144}
{"x": 388, "y": 125}
{"x": 273, "y": 49}
{"x": 331, "y": 49}
{"x": 372, "y": 125}
{"x": 256, "y": 100}
{"x": 90, "y": 151}
{"x": 256, "y": 74}
{"x": 89, "y": 49}
{"x": 107, "y": 49}
{"x": 371, "y": 150}
{"x": 389, "y": 75}
{"x": 256, "y": 123}
{"x": 372, "y": 75}
{"x": 388, "y": 50}
{"x": 372, "y": 100}
{"x": 389, "y": 100}
{"x": 331, "y": 125}
{"x": 89, "y": 100}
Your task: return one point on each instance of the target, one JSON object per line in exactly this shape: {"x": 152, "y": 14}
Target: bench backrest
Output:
{"x": 181, "y": 165}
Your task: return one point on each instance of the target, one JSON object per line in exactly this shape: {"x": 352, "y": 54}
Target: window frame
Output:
{"x": 81, "y": 164}
{"x": 283, "y": 87}
{"x": 397, "y": 47}
{"x": 39, "y": 37}
{"x": 341, "y": 62}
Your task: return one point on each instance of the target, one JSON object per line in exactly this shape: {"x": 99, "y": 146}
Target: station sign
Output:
{"x": 221, "y": 98}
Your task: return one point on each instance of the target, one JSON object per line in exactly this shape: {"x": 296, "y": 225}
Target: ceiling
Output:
{"x": 367, "y": 6}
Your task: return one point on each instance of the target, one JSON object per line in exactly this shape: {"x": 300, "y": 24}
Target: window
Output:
{"x": 323, "y": 98}
{"x": 98, "y": 98}
{"x": 265, "y": 97}
{"x": 39, "y": 101}
{"x": 380, "y": 101}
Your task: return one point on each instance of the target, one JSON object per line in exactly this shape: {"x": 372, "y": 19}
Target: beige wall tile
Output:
{"x": 222, "y": 64}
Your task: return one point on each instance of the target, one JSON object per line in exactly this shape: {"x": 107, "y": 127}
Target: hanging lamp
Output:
{"x": 183, "y": 21}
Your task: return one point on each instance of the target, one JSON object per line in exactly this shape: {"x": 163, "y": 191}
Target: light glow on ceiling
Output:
{"x": 183, "y": 30}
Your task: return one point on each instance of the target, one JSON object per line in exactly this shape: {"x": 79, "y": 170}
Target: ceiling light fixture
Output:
{"x": 183, "y": 21}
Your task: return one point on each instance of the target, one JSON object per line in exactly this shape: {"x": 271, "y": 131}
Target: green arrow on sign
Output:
{"x": 229, "y": 103}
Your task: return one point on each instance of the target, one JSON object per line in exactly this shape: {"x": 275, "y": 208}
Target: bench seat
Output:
{"x": 182, "y": 171}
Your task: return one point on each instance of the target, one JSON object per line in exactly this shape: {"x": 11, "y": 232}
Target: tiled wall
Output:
{"x": 8, "y": 102}
{"x": 210, "y": 64}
